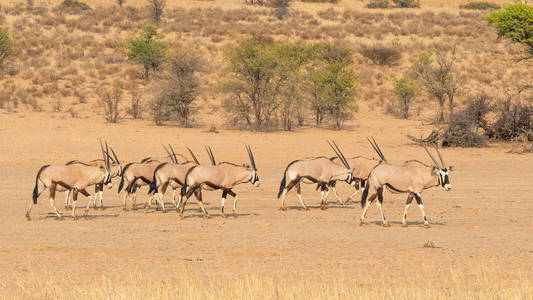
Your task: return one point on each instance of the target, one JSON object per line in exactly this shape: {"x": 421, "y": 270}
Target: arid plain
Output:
{"x": 484, "y": 222}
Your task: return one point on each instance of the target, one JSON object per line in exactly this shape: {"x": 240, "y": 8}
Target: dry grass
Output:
{"x": 196, "y": 281}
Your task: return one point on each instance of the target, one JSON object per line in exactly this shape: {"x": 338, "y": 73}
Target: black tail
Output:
{"x": 365, "y": 193}
{"x": 36, "y": 188}
{"x": 184, "y": 187}
{"x": 121, "y": 184}
{"x": 282, "y": 186}
{"x": 153, "y": 183}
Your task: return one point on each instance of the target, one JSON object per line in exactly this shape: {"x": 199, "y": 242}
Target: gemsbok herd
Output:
{"x": 188, "y": 177}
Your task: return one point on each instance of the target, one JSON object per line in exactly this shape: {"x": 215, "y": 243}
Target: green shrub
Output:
{"x": 406, "y": 3}
{"x": 480, "y": 5}
{"x": 378, "y": 4}
{"x": 515, "y": 22}
{"x": 6, "y": 47}
{"x": 74, "y": 4}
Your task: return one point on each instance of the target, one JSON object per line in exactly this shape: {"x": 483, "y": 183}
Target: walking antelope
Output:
{"x": 361, "y": 167}
{"x": 320, "y": 170}
{"x": 75, "y": 177}
{"x": 115, "y": 171}
{"x": 411, "y": 177}
{"x": 136, "y": 175}
{"x": 223, "y": 176}
{"x": 172, "y": 174}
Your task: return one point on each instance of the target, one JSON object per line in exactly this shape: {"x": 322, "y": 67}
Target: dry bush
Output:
{"x": 378, "y": 4}
{"x": 381, "y": 54}
{"x": 109, "y": 98}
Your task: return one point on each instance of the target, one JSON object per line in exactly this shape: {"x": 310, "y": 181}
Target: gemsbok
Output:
{"x": 136, "y": 175}
{"x": 75, "y": 177}
{"x": 222, "y": 176}
{"x": 115, "y": 170}
{"x": 320, "y": 170}
{"x": 361, "y": 167}
{"x": 411, "y": 177}
{"x": 172, "y": 174}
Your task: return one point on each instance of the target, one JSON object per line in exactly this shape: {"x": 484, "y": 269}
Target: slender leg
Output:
{"x": 234, "y": 206}
{"x": 52, "y": 200}
{"x": 224, "y": 194}
{"x": 173, "y": 196}
{"x": 322, "y": 198}
{"x": 86, "y": 213}
{"x": 179, "y": 204}
{"x": 125, "y": 204}
{"x": 380, "y": 204}
{"x": 421, "y": 206}
{"x": 67, "y": 199}
{"x": 133, "y": 199}
{"x": 326, "y": 198}
{"x": 162, "y": 191}
{"x": 299, "y": 194}
{"x": 101, "y": 195}
{"x": 74, "y": 201}
{"x": 369, "y": 201}
{"x": 407, "y": 204}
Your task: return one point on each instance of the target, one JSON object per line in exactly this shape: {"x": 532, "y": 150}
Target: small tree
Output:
{"x": 6, "y": 47}
{"x": 110, "y": 98}
{"x": 180, "y": 85}
{"x": 156, "y": 8}
{"x": 405, "y": 90}
{"x": 147, "y": 49}
{"x": 439, "y": 78}
{"x": 136, "y": 106}
{"x": 332, "y": 85}
{"x": 260, "y": 72}
{"x": 515, "y": 22}
{"x": 160, "y": 111}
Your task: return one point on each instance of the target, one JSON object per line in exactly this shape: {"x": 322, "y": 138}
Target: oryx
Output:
{"x": 76, "y": 177}
{"x": 223, "y": 176}
{"x": 320, "y": 170}
{"x": 139, "y": 174}
{"x": 411, "y": 177}
{"x": 172, "y": 174}
{"x": 361, "y": 167}
{"x": 115, "y": 171}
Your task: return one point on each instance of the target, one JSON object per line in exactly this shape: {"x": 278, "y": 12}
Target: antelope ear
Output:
{"x": 434, "y": 171}
{"x": 451, "y": 168}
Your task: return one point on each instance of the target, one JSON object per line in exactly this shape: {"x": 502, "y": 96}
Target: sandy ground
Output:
{"x": 488, "y": 215}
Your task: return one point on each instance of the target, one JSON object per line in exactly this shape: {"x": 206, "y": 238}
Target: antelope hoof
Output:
{"x": 74, "y": 218}
{"x": 60, "y": 218}
{"x": 28, "y": 217}
{"x": 386, "y": 224}
{"x": 427, "y": 225}
{"x": 306, "y": 208}
{"x": 223, "y": 215}
{"x": 125, "y": 209}
{"x": 283, "y": 208}
{"x": 134, "y": 207}
{"x": 207, "y": 216}
{"x": 404, "y": 225}
{"x": 181, "y": 216}
{"x": 164, "y": 210}
{"x": 362, "y": 223}
{"x": 234, "y": 215}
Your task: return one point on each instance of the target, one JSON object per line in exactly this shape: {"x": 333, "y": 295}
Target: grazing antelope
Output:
{"x": 411, "y": 177}
{"x": 172, "y": 174}
{"x": 75, "y": 177}
{"x": 223, "y": 176}
{"x": 115, "y": 171}
{"x": 320, "y": 170}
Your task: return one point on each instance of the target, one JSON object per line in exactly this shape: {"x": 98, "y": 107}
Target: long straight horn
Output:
{"x": 107, "y": 154}
{"x": 251, "y": 155}
{"x": 168, "y": 152}
{"x": 103, "y": 151}
{"x": 376, "y": 148}
{"x": 115, "y": 155}
{"x": 440, "y": 157}
{"x": 212, "y": 156}
{"x": 432, "y": 158}
{"x": 342, "y": 154}
{"x": 193, "y": 156}
{"x": 210, "y": 153}
{"x": 173, "y": 154}
{"x": 379, "y": 149}
{"x": 339, "y": 154}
